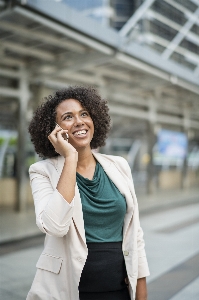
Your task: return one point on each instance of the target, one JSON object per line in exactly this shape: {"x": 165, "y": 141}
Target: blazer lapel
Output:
{"x": 121, "y": 183}
{"x": 116, "y": 176}
{"x": 112, "y": 172}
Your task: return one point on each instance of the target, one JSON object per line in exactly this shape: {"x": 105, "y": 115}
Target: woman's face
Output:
{"x": 72, "y": 116}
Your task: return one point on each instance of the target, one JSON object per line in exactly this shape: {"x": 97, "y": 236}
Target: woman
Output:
{"x": 85, "y": 204}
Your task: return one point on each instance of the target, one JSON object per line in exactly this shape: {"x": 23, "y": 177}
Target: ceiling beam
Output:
{"x": 87, "y": 62}
{"x": 65, "y": 31}
{"x": 70, "y": 78}
{"x": 31, "y": 34}
{"x": 190, "y": 36}
{"x": 130, "y": 61}
{"x": 127, "y": 99}
{"x": 139, "y": 13}
{"x": 6, "y": 12}
{"x": 138, "y": 114}
{"x": 11, "y": 62}
{"x": 121, "y": 110}
{"x": 27, "y": 51}
{"x": 138, "y": 101}
{"x": 134, "y": 78}
{"x": 194, "y": 58}
{"x": 9, "y": 73}
{"x": 180, "y": 35}
{"x": 187, "y": 13}
{"x": 9, "y": 92}
{"x": 118, "y": 75}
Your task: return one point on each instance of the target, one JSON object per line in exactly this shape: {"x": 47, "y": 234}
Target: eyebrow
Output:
{"x": 69, "y": 112}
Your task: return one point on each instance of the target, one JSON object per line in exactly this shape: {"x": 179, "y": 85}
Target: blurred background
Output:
{"x": 143, "y": 57}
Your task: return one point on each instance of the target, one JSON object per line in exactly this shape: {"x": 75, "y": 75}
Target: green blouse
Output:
{"x": 103, "y": 206}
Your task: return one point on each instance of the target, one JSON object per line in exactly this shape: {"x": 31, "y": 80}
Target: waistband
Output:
{"x": 109, "y": 245}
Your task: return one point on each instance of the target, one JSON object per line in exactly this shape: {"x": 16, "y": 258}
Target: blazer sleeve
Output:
{"x": 53, "y": 212}
{"x": 143, "y": 269}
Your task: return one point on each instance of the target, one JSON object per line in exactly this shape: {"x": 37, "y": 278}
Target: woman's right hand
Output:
{"x": 61, "y": 145}
{"x": 67, "y": 180}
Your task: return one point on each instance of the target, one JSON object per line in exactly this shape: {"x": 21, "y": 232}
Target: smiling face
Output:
{"x": 73, "y": 116}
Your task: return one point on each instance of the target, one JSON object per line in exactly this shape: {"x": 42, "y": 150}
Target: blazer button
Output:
{"x": 79, "y": 259}
{"x": 126, "y": 253}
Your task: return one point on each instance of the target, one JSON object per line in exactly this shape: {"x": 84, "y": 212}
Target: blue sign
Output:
{"x": 172, "y": 144}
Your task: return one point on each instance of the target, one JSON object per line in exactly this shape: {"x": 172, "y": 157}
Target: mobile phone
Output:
{"x": 63, "y": 129}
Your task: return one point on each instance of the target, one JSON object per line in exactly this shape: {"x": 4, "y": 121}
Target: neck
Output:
{"x": 85, "y": 158}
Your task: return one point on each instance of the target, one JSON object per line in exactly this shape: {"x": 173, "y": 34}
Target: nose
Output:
{"x": 78, "y": 121}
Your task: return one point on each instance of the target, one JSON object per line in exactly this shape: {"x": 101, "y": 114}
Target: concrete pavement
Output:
{"x": 15, "y": 226}
{"x": 171, "y": 226}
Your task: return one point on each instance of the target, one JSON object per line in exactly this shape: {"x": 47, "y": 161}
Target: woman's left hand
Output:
{"x": 141, "y": 289}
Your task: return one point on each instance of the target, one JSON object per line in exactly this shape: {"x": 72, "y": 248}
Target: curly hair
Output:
{"x": 43, "y": 121}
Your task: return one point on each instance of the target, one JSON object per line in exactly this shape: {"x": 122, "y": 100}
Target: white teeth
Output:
{"x": 80, "y": 132}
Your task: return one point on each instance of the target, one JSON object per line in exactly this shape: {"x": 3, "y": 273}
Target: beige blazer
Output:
{"x": 60, "y": 265}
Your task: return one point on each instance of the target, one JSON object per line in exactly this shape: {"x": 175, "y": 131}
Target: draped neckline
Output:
{"x": 91, "y": 185}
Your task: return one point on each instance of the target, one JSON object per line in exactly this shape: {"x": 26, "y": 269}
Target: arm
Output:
{"x": 141, "y": 289}
{"x": 53, "y": 212}
{"x": 52, "y": 207}
{"x": 67, "y": 181}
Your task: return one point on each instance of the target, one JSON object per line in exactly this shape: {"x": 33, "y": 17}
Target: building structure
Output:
{"x": 46, "y": 46}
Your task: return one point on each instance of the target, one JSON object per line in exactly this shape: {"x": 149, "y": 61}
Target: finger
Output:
{"x": 53, "y": 137}
{"x": 61, "y": 134}
{"x": 65, "y": 135}
{"x": 56, "y": 129}
{"x": 53, "y": 134}
{"x": 57, "y": 151}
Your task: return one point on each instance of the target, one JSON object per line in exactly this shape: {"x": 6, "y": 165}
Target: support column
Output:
{"x": 21, "y": 144}
{"x": 150, "y": 186}
{"x": 150, "y": 167}
{"x": 187, "y": 132}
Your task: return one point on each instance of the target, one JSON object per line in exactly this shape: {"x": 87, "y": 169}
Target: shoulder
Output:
{"x": 114, "y": 158}
{"x": 119, "y": 161}
{"x": 43, "y": 166}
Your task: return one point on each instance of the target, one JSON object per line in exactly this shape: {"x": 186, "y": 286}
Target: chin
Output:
{"x": 82, "y": 146}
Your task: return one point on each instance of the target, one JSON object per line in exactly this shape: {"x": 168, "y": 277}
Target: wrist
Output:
{"x": 72, "y": 155}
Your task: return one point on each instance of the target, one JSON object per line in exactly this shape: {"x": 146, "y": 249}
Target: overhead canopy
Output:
{"x": 169, "y": 27}
{"x": 56, "y": 46}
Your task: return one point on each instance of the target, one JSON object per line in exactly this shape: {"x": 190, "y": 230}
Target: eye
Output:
{"x": 85, "y": 114}
{"x": 67, "y": 117}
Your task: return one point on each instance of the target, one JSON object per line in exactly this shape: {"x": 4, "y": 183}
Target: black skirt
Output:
{"x": 103, "y": 276}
